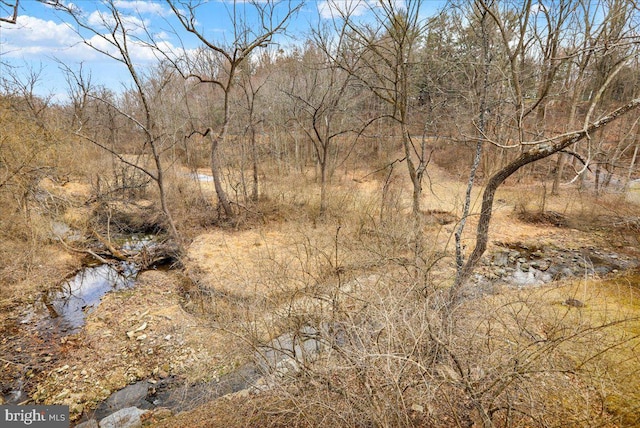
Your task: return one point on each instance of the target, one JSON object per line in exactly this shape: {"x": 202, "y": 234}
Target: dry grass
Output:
{"x": 520, "y": 355}
{"x": 392, "y": 354}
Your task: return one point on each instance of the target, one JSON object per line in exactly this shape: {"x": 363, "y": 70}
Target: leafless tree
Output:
{"x": 381, "y": 57}
{"x": 228, "y": 57}
{"x": 321, "y": 95}
{"x": 120, "y": 42}
{"x": 251, "y": 85}
{"x": 518, "y": 36}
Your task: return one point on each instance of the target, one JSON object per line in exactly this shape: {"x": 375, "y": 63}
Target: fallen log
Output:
{"x": 113, "y": 250}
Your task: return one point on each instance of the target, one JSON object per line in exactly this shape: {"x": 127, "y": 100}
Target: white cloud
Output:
{"x": 29, "y": 30}
{"x": 140, "y": 6}
{"x": 538, "y": 7}
{"x": 336, "y": 8}
{"x": 161, "y": 35}
{"x": 104, "y": 20}
{"x": 33, "y": 38}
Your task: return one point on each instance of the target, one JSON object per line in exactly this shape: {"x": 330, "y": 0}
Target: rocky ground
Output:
{"x": 171, "y": 352}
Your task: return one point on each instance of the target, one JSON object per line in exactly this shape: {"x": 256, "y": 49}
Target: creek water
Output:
{"x": 200, "y": 176}
{"x": 62, "y": 311}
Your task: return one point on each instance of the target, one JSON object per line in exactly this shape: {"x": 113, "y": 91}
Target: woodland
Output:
{"x": 399, "y": 221}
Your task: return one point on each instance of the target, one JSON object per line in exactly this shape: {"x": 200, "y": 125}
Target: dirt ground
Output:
{"x": 158, "y": 329}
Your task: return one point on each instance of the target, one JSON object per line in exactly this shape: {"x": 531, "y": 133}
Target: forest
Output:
{"x": 393, "y": 218}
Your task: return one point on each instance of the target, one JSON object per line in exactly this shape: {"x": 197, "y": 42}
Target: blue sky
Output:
{"x": 42, "y": 37}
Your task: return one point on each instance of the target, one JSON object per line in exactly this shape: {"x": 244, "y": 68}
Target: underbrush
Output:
{"x": 370, "y": 340}
{"x": 390, "y": 357}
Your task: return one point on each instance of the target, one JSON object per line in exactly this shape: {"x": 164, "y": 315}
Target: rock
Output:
{"x": 142, "y": 327}
{"x": 500, "y": 272}
{"x": 501, "y": 259}
{"x": 524, "y": 267}
{"x": 125, "y": 418}
{"x": 417, "y": 408}
{"x": 285, "y": 352}
{"x": 129, "y": 396}
{"x": 91, "y": 423}
{"x": 65, "y": 392}
{"x": 574, "y": 303}
{"x": 76, "y": 408}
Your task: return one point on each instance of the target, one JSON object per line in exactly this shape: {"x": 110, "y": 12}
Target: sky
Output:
{"x": 43, "y": 41}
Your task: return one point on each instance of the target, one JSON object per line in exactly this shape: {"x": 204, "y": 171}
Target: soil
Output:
{"x": 159, "y": 330}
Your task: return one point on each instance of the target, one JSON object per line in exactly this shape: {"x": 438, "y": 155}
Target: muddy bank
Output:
{"x": 134, "y": 334}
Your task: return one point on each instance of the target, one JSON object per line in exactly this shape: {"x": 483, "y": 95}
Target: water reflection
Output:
{"x": 68, "y": 306}
{"x": 200, "y": 176}
{"x": 64, "y": 309}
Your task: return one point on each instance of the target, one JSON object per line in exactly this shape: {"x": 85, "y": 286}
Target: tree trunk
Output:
{"x": 217, "y": 182}
{"x": 254, "y": 162}
{"x": 478, "y": 153}
{"x": 526, "y": 158}
{"x": 555, "y": 188}
{"x": 323, "y": 189}
{"x": 631, "y": 166}
{"x": 413, "y": 173}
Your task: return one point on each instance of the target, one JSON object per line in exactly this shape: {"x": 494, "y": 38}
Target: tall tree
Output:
{"x": 116, "y": 42}
{"x": 381, "y": 57}
{"x": 321, "y": 94}
{"x": 218, "y": 63}
{"x": 531, "y": 85}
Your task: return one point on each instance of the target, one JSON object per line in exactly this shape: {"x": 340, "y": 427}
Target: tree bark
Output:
{"x": 217, "y": 182}
{"x": 526, "y": 158}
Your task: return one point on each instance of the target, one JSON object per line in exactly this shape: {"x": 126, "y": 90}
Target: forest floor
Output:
{"x": 201, "y": 323}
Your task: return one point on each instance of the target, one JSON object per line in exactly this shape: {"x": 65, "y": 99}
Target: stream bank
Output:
{"x": 139, "y": 333}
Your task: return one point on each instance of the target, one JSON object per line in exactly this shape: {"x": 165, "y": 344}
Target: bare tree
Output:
{"x": 23, "y": 165}
{"x": 251, "y": 85}
{"x": 120, "y": 43}
{"x": 381, "y": 57}
{"x": 518, "y": 29}
{"x": 247, "y": 37}
{"x": 320, "y": 94}
{"x": 482, "y": 17}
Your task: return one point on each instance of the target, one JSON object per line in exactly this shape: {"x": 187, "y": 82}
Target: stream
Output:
{"x": 62, "y": 311}
{"x": 276, "y": 358}
{"x": 521, "y": 265}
